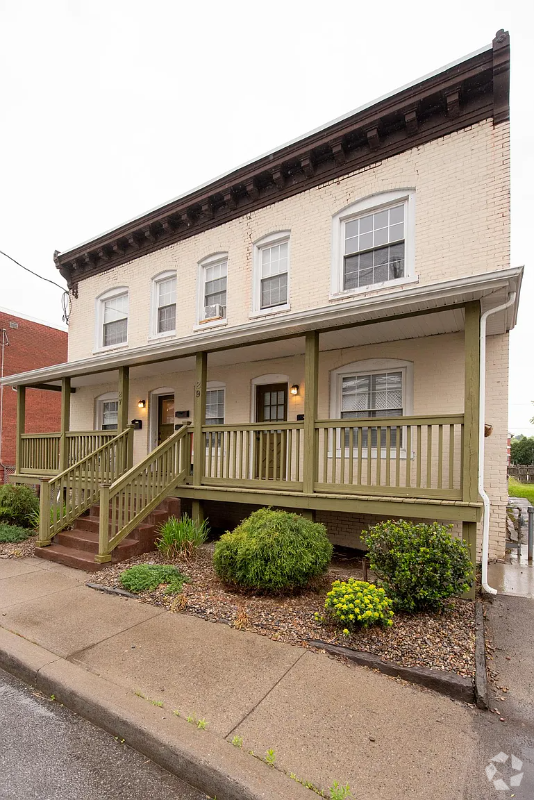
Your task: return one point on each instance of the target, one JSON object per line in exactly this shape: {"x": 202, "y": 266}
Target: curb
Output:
{"x": 481, "y": 675}
{"x": 455, "y": 686}
{"x": 205, "y": 761}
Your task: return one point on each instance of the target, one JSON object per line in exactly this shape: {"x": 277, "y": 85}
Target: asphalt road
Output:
{"x": 49, "y": 753}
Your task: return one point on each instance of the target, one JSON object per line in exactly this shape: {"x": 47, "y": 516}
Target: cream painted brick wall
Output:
{"x": 438, "y": 388}
{"x": 462, "y": 228}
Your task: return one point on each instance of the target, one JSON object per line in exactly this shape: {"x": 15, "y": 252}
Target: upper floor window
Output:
{"x": 112, "y": 318}
{"x": 213, "y": 273}
{"x": 271, "y": 273}
{"x": 373, "y": 243}
{"x": 163, "y": 315}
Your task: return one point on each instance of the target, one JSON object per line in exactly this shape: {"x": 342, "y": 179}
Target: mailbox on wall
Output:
{"x": 137, "y": 424}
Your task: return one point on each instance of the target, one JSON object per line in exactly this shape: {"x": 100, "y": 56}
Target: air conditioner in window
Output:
{"x": 215, "y": 311}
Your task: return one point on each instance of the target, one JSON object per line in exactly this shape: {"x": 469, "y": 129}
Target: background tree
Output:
{"x": 522, "y": 450}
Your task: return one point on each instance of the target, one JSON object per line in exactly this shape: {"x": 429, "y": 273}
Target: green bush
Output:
{"x": 145, "y": 577}
{"x": 181, "y": 536}
{"x": 357, "y": 603}
{"x": 13, "y": 533}
{"x": 420, "y": 565}
{"x": 17, "y": 504}
{"x": 55, "y": 513}
{"x": 273, "y": 551}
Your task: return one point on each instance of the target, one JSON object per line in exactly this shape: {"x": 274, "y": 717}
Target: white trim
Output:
{"x": 116, "y": 291}
{"x": 16, "y": 315}
{"x": 209, "y": 261}
{"x": 153, "y": 414}
{"x": 435, "y": 296}
{"x": 98, "y": 407}
{"x": 373, "y": 202}
{"x": 277, "y": 237}
{"x": 213, "y": 386}
{"x": 154, "y": 335}
{"x": 263, "y": 380}
{"x": 371, "y": 366}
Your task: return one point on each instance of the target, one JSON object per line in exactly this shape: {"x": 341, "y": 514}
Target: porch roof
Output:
{"x": 378, "y": 312}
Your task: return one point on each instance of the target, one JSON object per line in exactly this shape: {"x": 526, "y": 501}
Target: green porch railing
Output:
{"x": 69, "y": 494}
{"x": 40, "y": 453}
{"x": 131, "y": 498}
{"x": 403, "y": 456}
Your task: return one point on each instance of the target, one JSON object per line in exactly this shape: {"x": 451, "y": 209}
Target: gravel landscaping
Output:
{"x": 18, "y": 549}
{"x": 443, "y": 641}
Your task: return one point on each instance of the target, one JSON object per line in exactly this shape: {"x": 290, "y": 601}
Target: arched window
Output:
{"x": 107, "y": 412}
{"x": 373, "y": 243}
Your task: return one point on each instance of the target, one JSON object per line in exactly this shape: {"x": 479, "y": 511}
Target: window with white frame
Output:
{"x": 215, "y": 406}
{"x": 271, "y": 273}
{"x": 112, "y": 318}
{"x": 107, "y": 412}
{"x": 214, "y": 276}
{"x": 374, "y": 243}
{"x": 166, "y": 304}
{"x": 378, "y": 394}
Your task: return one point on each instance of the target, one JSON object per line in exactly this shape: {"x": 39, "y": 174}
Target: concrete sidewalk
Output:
{"x": 324, "y": 720}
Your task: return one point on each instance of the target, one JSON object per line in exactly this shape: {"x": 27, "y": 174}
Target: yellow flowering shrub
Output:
{"x": 357, "y": 603}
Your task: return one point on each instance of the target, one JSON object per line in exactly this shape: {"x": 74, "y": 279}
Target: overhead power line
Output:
{"x": 14, "y": 260}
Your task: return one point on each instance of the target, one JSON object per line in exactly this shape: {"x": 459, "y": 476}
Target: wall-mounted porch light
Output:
{"x": 141, "y": 404}
{"x": 294, "y": 389}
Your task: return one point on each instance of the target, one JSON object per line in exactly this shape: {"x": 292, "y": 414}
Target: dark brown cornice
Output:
{"x": 466, "y": 93}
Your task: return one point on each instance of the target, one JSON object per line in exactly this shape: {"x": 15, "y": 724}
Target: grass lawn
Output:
{"x": 517, "y": 489}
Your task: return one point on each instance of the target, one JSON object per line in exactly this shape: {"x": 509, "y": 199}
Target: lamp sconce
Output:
{"x": 294, "y": 389}
{"x": 141, "y": 404}
{"x": 488, "y": 430}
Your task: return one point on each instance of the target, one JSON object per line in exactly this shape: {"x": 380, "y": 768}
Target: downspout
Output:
{"x": 481, "y": 441}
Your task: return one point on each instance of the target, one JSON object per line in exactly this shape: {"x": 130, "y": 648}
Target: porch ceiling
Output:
{"x": 404, "y": 314}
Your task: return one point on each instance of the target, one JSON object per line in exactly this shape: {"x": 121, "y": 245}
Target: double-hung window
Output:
{"x": 214, "y": 414}
{"x": 113, "y": 319}
{"x": 215, "y": 290}
{"x": 373, "y": 243}
{"x": 378, "y": 394}
{"x": 166, "y": 301}
{"x": 271, "y": 274}
{"x": 110, "y": 415}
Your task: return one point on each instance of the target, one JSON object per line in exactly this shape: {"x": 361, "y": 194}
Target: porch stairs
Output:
{"x": 78, "y": 547}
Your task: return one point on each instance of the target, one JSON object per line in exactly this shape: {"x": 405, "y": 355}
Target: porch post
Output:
{"x": 21, "y": 424}
{"x": 124, "y": 396}
{"x": 199, "y": 416}
{"x": 65, "y": 424}
{"x": 471, "y": 421}
{"x": 311, "y": 371}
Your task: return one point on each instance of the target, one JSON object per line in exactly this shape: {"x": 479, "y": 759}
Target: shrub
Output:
{"x": 181, "y": 536}
{"x": 55, "y": 514}
{"x": 145, "y": 577}
{"x": 273, "y": 551}
{"x": 420, "y": 565}
{"x": 357, "y": 603}
{"x": 13, "y": 533}
{"x": 17, "y": 504}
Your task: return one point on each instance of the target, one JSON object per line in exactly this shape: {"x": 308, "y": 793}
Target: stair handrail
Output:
{"x": 67, "y": 495}
{"x": 125, "y": 503}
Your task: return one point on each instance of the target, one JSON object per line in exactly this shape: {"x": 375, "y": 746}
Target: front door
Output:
{"x": 271, "y": 445}
{"x": 165, "y": 416}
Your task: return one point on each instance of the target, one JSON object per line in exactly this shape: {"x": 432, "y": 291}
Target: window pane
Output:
{"x": 167, "y": 319}
{"x": 396, "y": 214}
{"x": 167, "y": 292}
{"x": 274, "y": 291}
{"x": 110, "y": 415}
{"x": 215, "y": 407}
{"x": 366, "y": 224}
{"x": 116, "y": 308}
{"x": 115, "y": 332}
{"x": 380, "y": 220}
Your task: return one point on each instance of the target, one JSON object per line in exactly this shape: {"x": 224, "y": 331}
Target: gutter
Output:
{"x": 481, "y": 440}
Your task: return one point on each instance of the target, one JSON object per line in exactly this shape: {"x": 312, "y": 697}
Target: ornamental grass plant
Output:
{"x": 181, "y": 537}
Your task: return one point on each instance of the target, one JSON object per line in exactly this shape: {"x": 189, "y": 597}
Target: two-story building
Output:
{"x": 324, "y": 329}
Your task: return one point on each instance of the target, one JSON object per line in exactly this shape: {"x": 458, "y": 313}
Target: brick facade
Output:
{"x": 31, "y": 345}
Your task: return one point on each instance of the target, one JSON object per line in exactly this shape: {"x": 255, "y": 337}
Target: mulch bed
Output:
{"x": 443, "y": 641}
{"x": 23, "y": 549}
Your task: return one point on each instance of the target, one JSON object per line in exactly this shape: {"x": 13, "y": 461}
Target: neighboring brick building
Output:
{"x": 27, "y": 344}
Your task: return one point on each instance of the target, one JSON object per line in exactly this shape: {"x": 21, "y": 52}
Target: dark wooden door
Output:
{"x": 165, "y": 417}
{"x": 271, "y": 445}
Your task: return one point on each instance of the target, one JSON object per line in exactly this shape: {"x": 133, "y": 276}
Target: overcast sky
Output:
{"x": 110, "y": 108}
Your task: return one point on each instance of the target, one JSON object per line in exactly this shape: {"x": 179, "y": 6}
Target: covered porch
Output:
{"x": 297, "y": 448}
